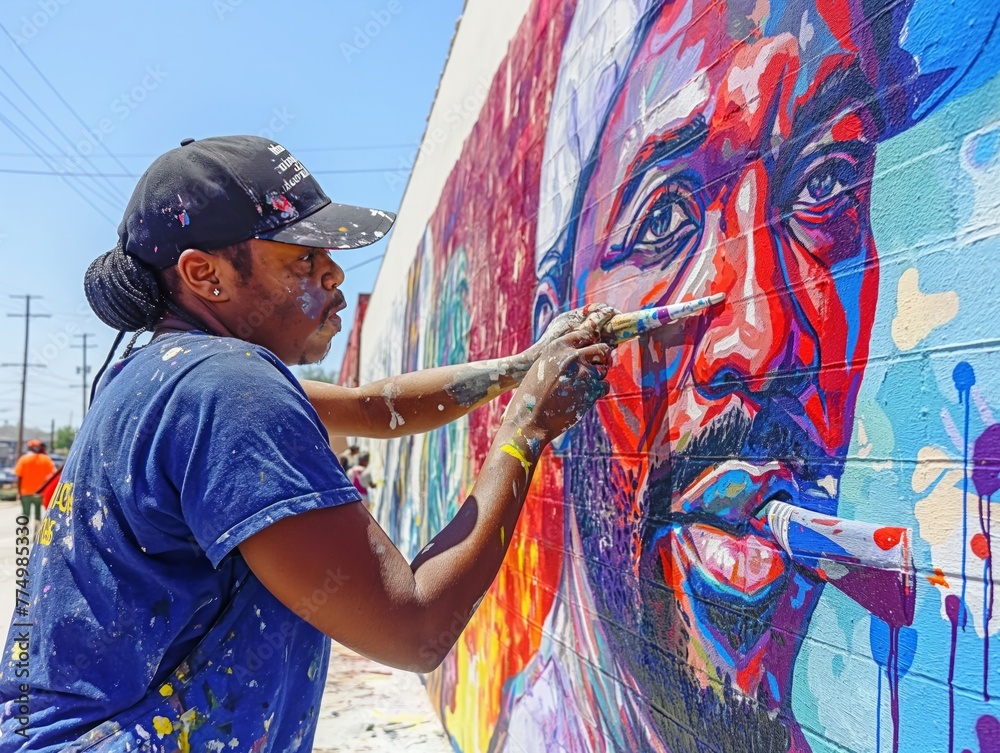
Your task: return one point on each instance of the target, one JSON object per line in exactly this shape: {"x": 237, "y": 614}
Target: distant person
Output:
{"x": 360, "y": 475}
{"x": 349, "y": 457}
{"x": 33, "y": 469}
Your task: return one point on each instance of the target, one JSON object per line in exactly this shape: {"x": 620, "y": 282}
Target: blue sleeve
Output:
{"x": 253, "y": 451}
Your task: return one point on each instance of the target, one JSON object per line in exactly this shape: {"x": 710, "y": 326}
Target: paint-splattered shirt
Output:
{"x": 143, "y": 627}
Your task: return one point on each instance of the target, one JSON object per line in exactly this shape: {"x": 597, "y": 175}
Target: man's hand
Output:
{"x": 566, "y": 322}
{"x": 568, "y": 376}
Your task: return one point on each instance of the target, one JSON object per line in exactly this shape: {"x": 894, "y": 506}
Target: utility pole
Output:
{"x": 28, "y": 316}
{"x": 84, "y": 370}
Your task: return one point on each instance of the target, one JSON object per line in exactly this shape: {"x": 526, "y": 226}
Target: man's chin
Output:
{"x": 726, "y": 589}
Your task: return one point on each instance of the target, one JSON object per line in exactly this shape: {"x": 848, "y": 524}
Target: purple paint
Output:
{"x": 986, "y": 479}
{"x": 893, "y": 647}
{"x": 893, "y": 670}
{"x": 988, "y": 732}
{"x": 952, "y": 606}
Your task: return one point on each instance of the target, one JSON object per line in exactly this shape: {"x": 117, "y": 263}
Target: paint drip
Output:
{"x": 389, "y": 393}
{"x": 964, "y": 377}
{"x": 953, "y": 607}
{"x": 986, "y": 479}
{"x": 893, "y": 648}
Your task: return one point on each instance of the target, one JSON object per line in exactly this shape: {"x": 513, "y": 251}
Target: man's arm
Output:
{"x": 425, "y": 400}
{"x": 416, "y": 402}
{"x": 409, "y": 615}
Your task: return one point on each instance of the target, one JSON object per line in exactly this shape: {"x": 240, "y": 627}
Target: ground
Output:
{"x": 367, "y": 708}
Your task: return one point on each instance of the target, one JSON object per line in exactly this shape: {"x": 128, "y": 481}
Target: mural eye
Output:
{"x": 825, "y": 185}
{"x": 663, "y": 222}
{"x": 664, "y": 227}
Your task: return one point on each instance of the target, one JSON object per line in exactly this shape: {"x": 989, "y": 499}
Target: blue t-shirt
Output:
{"x": 144, "y": 628}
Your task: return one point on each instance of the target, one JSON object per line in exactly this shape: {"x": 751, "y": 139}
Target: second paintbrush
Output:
{"x": 627, "y": 326}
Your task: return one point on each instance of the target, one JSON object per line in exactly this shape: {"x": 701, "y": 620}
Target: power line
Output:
{"x": 60, "y": 173}
{"x": 304, "y": 150}
{"x": 28, "y": 316}
{"x": 55, "y": 91}
{"x": 60, "y": 131}
{"x": 30, "y": 144}
{"x": 84, "y": 369}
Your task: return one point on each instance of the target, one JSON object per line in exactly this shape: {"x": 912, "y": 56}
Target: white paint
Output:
{"x": 917, "y": 313}
{"x": 680, "y": 106}
{"x": 389, "y": 393}
{"x": 747, "y": 199}
{"x": 828, "y": 484}
{"x": 478, "y": 48}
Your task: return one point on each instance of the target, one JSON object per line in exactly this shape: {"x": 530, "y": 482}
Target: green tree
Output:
{"x": 318, "y": 374}
{"x": 64, "y": 438}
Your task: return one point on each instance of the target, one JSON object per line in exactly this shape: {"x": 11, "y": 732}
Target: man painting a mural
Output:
{"x": 695, "y": 148}
{"x": 204, "y": 543}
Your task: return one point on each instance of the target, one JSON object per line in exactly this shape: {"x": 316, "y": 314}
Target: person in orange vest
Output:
{"x": 32, "y": 470}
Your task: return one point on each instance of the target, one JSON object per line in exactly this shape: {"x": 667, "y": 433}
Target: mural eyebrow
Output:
{"x": 670, "y": 145}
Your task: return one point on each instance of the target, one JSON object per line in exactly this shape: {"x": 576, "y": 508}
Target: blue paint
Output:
{"x": 849, "y": 289}
{"x": 806, "y": 541}
{"x": 964, "y": 377}
{"x": 985, "y": 148}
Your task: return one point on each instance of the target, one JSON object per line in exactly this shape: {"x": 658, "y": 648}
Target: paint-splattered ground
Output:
{"x": 367, "y": 708}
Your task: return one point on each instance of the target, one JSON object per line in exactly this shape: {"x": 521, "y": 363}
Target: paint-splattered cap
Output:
{"x": 215, "y": 192}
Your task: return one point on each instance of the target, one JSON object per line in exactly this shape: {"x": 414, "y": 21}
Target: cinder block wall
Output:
{"x": 834, "y": 168}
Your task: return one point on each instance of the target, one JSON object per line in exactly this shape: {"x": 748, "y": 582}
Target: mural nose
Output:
{"x": 756, "y": 338}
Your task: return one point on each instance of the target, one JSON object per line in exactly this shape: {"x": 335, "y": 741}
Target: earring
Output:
{"x": 215, "y": 292}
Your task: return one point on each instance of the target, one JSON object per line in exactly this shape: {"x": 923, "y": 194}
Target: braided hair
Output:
{"x": 127, "y": 295}
{"x": 124, "y": 292}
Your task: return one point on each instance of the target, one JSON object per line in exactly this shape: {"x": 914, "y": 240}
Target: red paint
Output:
{"x": 938, "y": 578}
{"x": 980, "y": 546}
{"x": 888, "y": 537}
{"x": 848, "y": 128}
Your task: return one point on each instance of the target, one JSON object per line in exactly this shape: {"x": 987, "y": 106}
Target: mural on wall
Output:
{"x": 833, "y": 166}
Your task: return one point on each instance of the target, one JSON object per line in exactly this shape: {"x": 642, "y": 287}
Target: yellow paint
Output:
{"x": 502, "y": 539}
{"x": 514, "y": 451}
{"x": 63, "y": 498}
{"x": 45, "y": 535}
{"x": 918, "y": 313}
{"x": 167, "y": 690}
{"x": 162, "y": 725}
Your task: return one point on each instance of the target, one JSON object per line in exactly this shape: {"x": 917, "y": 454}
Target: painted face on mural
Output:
{"x": 736, "y": 157}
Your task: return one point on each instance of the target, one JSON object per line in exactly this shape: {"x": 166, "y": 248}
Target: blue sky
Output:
{"x": 317, "y": 76}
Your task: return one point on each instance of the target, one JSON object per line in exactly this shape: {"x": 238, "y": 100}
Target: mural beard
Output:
{"x": 744, "y": 637}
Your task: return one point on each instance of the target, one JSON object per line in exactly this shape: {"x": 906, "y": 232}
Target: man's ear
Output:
{"x": 204, "y": 274}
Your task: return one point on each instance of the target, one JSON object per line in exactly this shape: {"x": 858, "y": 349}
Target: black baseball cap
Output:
{"x": 214, "y": 192}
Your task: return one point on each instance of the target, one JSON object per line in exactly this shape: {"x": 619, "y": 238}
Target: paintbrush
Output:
{"x": 628, "y": 326}
{"x": 870, "y": 563}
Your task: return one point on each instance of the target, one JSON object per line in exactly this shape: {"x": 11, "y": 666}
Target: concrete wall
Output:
{"x": 833, "y": 166}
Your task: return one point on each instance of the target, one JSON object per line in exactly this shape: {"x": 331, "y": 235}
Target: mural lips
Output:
{"x": 716, "y": 536}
